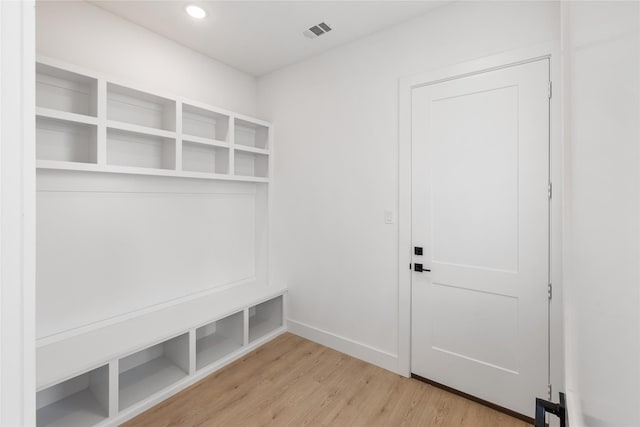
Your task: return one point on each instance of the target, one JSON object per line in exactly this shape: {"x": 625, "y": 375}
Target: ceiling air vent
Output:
{"x": 317, "y": 30}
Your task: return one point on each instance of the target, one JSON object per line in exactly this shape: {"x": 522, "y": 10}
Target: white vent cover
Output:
{"x": 317, "y": 30}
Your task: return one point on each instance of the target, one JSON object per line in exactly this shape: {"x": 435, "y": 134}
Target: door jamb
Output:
{"x": 17, "y": 213}
{"x": 406, "y": 85}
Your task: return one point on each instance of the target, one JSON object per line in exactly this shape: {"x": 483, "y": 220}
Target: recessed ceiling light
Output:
{"x": 196, "y": 11}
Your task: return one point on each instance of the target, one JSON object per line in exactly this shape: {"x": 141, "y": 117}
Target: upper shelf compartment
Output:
{"x": 87, "y": 122}
{"x": 140, "y": 108}
{"x": 251, "y": 134}
{"x": 62, "y": 90}
{"x": 204, "y": 123}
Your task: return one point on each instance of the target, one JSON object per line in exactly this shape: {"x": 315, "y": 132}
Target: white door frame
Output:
{"x": 407, "y": 84}
{"x": 17, "y": 213}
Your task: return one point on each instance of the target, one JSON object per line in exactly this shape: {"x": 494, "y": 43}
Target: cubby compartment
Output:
{"x": 251, "y": 134}
{"x": 198, "y": 157}
{"x": 134, "y": 149}
{"x": 147, "y": 372}
{"x": 140, "y": 108}
{"x": 65, "y": 141}
{"x": 218, "y": 339}
{"x": 63, "y": 90}
{"x": 79, "y": 401}
{"x": 204, "y": 123}
{"x": 265, "y": 318}
{"x": 251, "y": 164}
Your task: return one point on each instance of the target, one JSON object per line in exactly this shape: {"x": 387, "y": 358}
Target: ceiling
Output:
{"x": 262, "y": 36}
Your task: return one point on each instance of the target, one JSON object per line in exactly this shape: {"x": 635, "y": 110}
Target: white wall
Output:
{"x": 602, "y": 280}
{"x": 122, "y": 244}
{"x": 85, "y": 35}
{"x": 336, "y": 165}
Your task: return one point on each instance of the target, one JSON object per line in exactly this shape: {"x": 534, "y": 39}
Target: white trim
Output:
{"x": 17, "y": 213}
{"x": 406, "y": 84}
{"x": 345, "y": 345}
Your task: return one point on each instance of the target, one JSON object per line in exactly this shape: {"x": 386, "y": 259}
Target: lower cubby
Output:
{"x": 80, "y": 401}
{"x": 148, "y": 371}
{"x": 132, "y": 378}
{"x": 265, "y": 318}
{"x": 219, "y": 339}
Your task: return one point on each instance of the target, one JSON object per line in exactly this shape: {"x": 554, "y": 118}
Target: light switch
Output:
{"x": 388, "y": 217}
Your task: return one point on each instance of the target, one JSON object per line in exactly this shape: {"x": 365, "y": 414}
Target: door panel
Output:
{"x": 480, "y": 168}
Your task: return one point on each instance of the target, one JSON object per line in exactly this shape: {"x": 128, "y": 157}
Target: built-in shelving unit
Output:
{"x": 105, "y": 370}
{"x": 137, "y": 378}
{"x": 265, "y": 318}
{"x": 80, "y": 401}
{"x": 86, "y": 122}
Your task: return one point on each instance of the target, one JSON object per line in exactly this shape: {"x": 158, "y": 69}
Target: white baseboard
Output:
{"x": 345, "y": 345}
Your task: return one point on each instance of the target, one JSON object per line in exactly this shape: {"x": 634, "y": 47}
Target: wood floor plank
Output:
{"x": 291, "y": 381}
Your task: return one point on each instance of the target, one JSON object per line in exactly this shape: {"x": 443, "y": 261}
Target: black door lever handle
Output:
{"x": 419, "y": 268}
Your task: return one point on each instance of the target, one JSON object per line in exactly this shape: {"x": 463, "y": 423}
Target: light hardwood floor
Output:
{"x": 291, "y": 381}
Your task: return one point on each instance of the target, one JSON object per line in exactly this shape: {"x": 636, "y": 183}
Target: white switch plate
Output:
{"x": 388, "y": 217}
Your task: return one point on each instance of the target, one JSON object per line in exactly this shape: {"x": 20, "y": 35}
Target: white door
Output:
{"x": 480, "y": 211}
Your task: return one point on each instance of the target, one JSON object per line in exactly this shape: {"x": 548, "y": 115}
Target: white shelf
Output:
{"x": 64, "y": 115}
{"x": 88, "y": 167}
{"x": 218, "y": 339}
{"x": 80, "y": 401}
{"x": 145, "y": 377}
{"x": 140, "y": 132}
{"x": 61, "y": 358}
{"x": 80, "y": 409}
{"x": 251, "y": 149}
{"x": 205, "y": 141}
{"x": 149, "y": 371}
{"x": 143, "y": 130}
{"x": 265, "y": 318}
